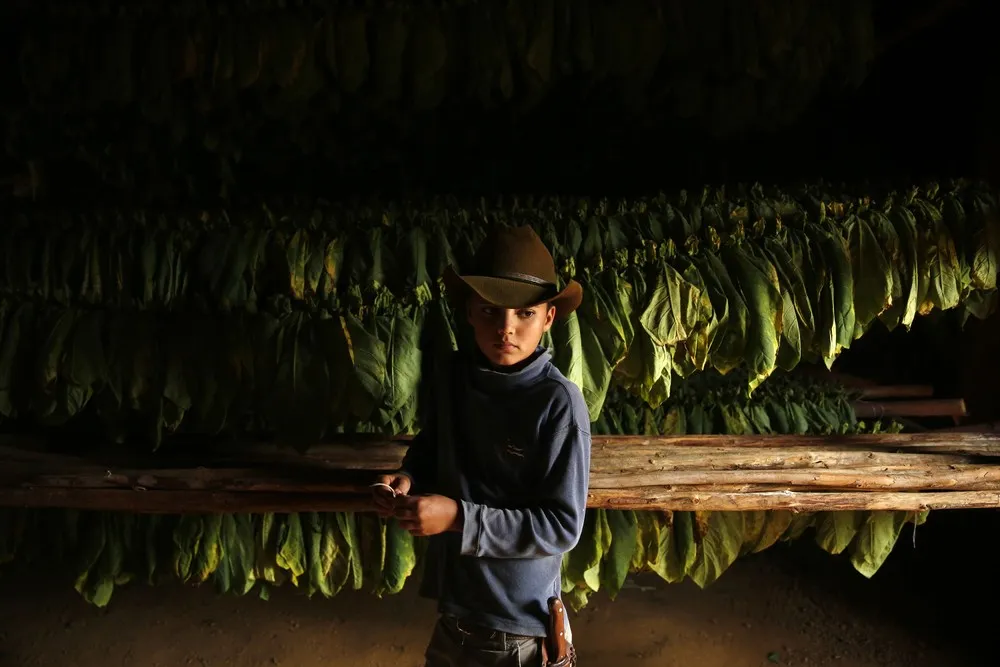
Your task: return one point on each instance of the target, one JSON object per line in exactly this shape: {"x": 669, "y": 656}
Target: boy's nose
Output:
{"x": 507, "y": 323}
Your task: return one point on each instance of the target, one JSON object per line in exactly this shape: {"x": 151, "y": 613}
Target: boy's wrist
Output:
{"x": 456, "y": 525}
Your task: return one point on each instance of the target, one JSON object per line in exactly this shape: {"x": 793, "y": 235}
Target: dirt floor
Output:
{"x": 792, "y": 605}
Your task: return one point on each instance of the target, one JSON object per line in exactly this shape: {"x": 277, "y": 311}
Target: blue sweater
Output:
{"x": 514, "y": 450}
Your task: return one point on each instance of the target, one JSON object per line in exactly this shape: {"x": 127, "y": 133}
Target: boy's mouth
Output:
{"x": 505, "y": 347}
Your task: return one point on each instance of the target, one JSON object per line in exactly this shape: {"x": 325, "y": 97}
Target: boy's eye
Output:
{"x": 525, "y": 314}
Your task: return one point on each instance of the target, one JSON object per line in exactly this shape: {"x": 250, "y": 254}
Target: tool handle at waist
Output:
{"x": 559, "y": 652}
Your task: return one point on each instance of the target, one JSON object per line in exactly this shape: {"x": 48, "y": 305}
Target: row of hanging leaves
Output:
{"x": 735, "y": 62}
{"x": 325, "y": 553}
{"x": 312, "y": 322}
{"x": 195, "y": 99}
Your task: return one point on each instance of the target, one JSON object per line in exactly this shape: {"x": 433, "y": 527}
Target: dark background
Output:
{"x": 927, "y": 109}
{"x": 924, "y": 109}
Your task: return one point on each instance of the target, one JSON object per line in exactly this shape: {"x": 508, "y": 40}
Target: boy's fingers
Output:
{"x": 404, "y": 512}
{"x": 410, "y": 525}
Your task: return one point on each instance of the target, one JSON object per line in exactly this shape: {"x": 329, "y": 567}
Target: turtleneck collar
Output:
{"x": 490, "y": 380}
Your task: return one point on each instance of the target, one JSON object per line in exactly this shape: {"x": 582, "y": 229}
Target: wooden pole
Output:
{"x": 964, "y": 478}
{"x": 897, "y": 391}
{"x": 224, "y": 502}
{"x": 605, "y": 460}
{"x": 652, "y": 499}
{"x": 931, "y": 407}
{"x": 972, "y": 444}
{"x": 363, "y": 452}
{"x": 183, "y": 502}
{"x": 669, "y": 472}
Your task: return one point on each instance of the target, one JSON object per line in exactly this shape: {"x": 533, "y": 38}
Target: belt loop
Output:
{"x": 462, "y": 631}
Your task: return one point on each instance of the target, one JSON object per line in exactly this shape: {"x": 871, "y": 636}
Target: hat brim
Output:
{"x": 507, "y": 293}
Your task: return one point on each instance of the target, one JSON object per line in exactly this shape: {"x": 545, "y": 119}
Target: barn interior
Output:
{"x": 223, "y": 225}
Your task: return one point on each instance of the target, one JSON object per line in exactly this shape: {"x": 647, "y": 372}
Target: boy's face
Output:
{"x": 508, "y": 336}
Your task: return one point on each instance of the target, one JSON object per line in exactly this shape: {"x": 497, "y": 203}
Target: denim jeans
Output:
{"x": 453, "y": 646}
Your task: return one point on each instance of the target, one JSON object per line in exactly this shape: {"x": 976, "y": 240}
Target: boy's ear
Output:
{"x": 550, "y": 316}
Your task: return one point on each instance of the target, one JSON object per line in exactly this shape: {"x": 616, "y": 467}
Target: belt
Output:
{"x": 482, "y": 632}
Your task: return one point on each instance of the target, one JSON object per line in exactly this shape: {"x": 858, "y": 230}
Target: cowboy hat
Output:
{"x": 513, "y": 269}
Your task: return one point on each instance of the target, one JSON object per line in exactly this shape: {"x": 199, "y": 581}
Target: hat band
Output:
{"x": 524, "y": 278}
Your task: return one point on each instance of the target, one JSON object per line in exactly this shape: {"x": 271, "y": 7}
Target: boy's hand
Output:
{"x": 386, "y": 489}
{"x": 428, "y": 515}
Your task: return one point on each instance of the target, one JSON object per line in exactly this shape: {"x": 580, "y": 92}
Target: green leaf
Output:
{"x": 580, "y": 357}
{"x": 617, "y": 559}
{"x": 320, "y": 551}
{"x": 674, "y": 307}
{"x": 904, "y": 308}
{"x": 368, "y": 355}
{"x": 838, "y": 262}
{"x": 875, "y": 540}
{"x": 400, "y": 558}
{"x": 939, "y": 261}
{"x": 337, "y": 547}
{"x": 404, "y": 358}
{"x": 582, "y": 564}
{"x": 836, "y": 530}
{"x": 239, "y": 549}
{"x": 351, "y": 530}
{"x": 187, "y": 543}
{"x": 371, "y": 531}
{"x": 646, "y": 369}
{"x": 291, "y": 553}
{"x": 729, "y": 343}
{"x": 209, "y": 552}
{"x": 757, "y": 281}
{"x": 872, "y": 277}
{"x": 775, "y": 524}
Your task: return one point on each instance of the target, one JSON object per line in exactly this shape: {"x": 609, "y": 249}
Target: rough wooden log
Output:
{"x": 931, "y": 407}
{"x": 385, "y": 453}
{"x": 710, "y": 501}
{"x": 643, "y": 461}
{"x": 214, "y": 479}
{"x": 215, "y": 502}
{"x": 972, "y": 444}
{"x": 184, "y": 502}
{"x": 363, "y": 452}
{"x": 883, "y": 391}
{"x": 964, "y": 478}
{"x": 953, "y": 476}
{"x": 762, "y": 458}
{"x": 334, "y": 477}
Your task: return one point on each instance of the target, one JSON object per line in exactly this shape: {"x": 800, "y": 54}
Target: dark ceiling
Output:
{"x": 922, "y": 111}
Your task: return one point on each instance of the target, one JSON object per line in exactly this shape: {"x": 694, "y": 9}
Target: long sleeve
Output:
{"x": 553, "y": 522}
{"x": 420, "y": 461}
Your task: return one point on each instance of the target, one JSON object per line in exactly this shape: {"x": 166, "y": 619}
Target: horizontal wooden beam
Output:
{"x": 917, "y": 470}
{"x": 969, "y": 444}
{"x": 225, "y": 502}
{"x": 959, "y": 478}
{"x": 368, "y": 452}
{"x": 882, "y": 391}
{"x": 928, "y": 407}
{"x": 184, "y": 502}
{"x": 798, "y": 501}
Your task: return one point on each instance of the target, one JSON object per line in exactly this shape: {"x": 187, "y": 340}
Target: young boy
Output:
{"x": 498, "y": 476}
